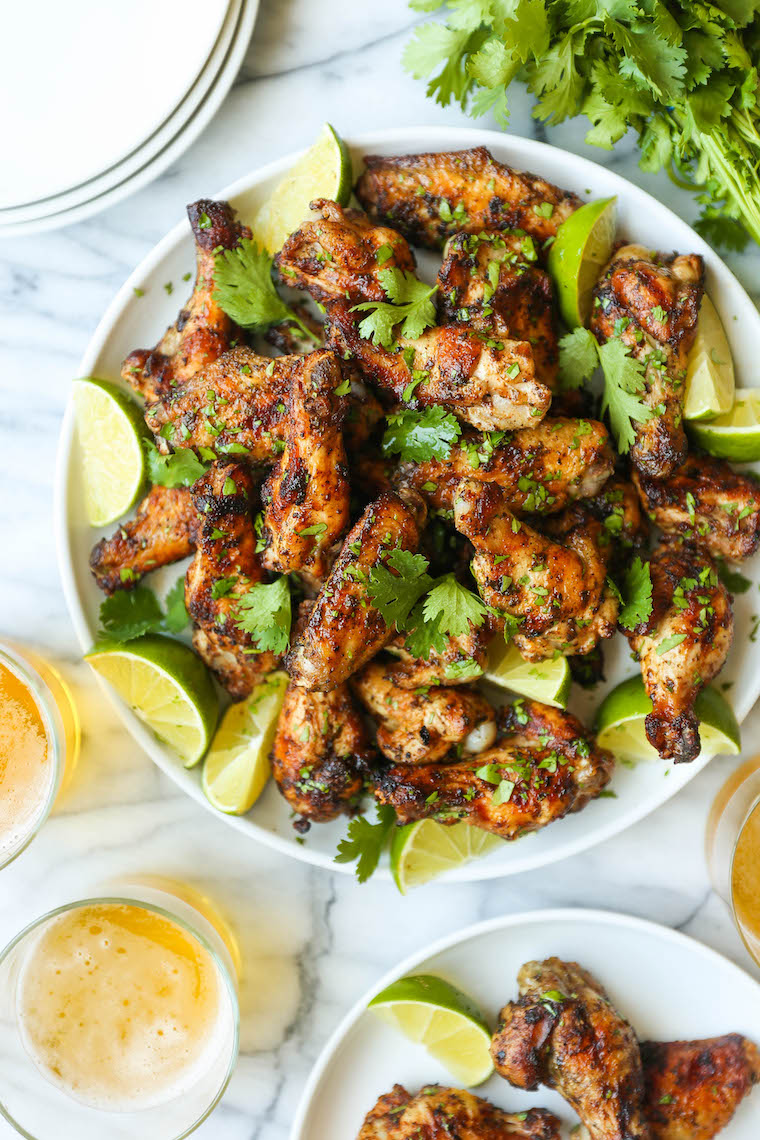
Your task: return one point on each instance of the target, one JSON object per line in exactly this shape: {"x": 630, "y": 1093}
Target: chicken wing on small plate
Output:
{"x": 438, "y": 1113}
{"x": 163, "y": 531}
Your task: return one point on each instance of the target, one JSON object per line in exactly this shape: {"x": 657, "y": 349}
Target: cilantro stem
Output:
{"x": 292, "y": 319}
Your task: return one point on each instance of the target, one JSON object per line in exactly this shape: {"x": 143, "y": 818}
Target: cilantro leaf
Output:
{"x": 176, "y": 617}
{"x": 127, "y": 614}
{"x": 421, "y": 436}
{"x": 578, "y": 357}
{"x": 244, "y": 288}
{"x": 396, "y": 594}
{"x": 454, "y": 606}
{"x": 733, "y": 580}
{"x": 669, "y": 643}
{"x": 424, "y": 637}
{"x": 636, "y": 595}
{"x": 180, "y": 469}
{"x": 264, "y": 612}
{"x": 623, "y": 384}
{"x": 412, "y": 304}
{"x": 365, "y": 841}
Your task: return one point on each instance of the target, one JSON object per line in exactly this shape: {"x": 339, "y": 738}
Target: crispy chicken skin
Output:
{"x": 438, "y": 1113}
{"x": 708, "y": 503}
{"x": 540, "y": 469}
{"x": 164, "y": 530}
{"x": 345, "y": 629}
{"x": 682, "y": 645}
{"x": 545, "y": 757}
{"x": 618, "y": 506}
{"x": 202, "y": 331}
{"x": 464, "y": 658}
{"x": 320, "y": 753}
{"x": 422, "y": 726}
{"x": 564, "y": 1032}
{"x": 693, "y": 1088}
{"x": 556, "y": 590}
{"x": 226, "y": 549}
{"x": 492, "y": 281}
{"x": 651, "y": 302}
{"x": 411, "y": 193}
{"x": 306, "y": 497}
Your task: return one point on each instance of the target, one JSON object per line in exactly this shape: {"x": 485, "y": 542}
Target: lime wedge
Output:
{"x": 581, "y": 249}
{"x": 110, "y": 433}
{"x": 323, "y": 172}
{"x": 433, "y": 1013}
{"x": 167, "y": 686}
{"x": 709, "y": 368}
{"x": 548, "y": 681}
{"x": 424, "y": 850}
{"x": 237, "y": 765}
{"x": 736, "y": 435}
{"x": 619, "y": 723}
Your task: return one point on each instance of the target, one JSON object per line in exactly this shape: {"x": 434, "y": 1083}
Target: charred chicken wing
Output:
{"x": 451, "y": 1114}
{"x": 164, "y": 530}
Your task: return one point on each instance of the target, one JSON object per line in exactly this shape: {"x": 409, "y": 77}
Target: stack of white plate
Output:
{"x": 100, "y": 96}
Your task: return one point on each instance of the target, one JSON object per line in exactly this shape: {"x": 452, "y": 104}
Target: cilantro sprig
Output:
{"x": 418, "y": 437}
{"x": 264, "y": 612}
{"x": 127, "y": 614}
{"x": 636, "y": 595}
{"x": 180, "y": 469}
{"x": 580, "y": 355}
{"x": 244, "y": 289}
{"x": 366, "y": 841}
{"x": 410, "y": 304}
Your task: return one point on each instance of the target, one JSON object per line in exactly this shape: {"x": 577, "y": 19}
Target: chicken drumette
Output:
{"x": 451, "y": 1114}
{"x": 164, "y": 530}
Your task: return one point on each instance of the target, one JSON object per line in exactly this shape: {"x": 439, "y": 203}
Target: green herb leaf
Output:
{"x": 127, "y": 614}
{"x": 636, "y": 595}
{"x": 412, "y": 305}
{"x": 180, "y": 469}
{"x": 578, "y": 358}
{"x": 365, "y": 841}
{"x": 455, "y": 606}
{"x": 395, "y": 594}
{"x": 418, "y": 437}
{"x": 176, "y": 616}
{"x": 623, "y": 385}
{"x": 244, "y": 289}
{"x": 669, "y": 643}
{"x": 264, "y": 612}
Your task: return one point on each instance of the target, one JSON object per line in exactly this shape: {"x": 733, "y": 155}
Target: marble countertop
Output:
{"x": 313, "y": 941}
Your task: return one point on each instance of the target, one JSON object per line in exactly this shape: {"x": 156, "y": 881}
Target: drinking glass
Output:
{"x": 732, "y": 848}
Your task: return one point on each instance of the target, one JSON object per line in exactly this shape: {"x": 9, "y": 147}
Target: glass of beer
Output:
{"x": 733, "y": 850}
{"x": 39, "y": 746}
{"x": 118, "y": 1019}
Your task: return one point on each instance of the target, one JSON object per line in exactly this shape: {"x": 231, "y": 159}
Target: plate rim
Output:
{"x": 591, "y": 915}
{"x": 445, "y": 137}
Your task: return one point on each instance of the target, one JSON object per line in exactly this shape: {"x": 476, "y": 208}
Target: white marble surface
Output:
{"x": 313, "y": 941}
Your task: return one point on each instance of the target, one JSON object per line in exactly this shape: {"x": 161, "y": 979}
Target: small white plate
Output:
{"x": 131, "y": 322}
{"x": 95, "y": 81}
{"x": 667, "y": 985}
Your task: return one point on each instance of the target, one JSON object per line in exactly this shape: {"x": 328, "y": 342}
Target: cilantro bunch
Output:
{"x": 681, "y": 73}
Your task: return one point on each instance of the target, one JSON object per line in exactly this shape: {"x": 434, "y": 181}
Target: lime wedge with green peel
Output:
{"x": 581, "y": 249}
{"x": 547, "y": 681}
{"x": 433, "y": 1013}
{"x": 167, "y": 686}
{"x": 619, "y": 723}
{"x": 736, "y": 435}
{"x": 424, "y": 850}
{"x": 110, "y": 433}
{"x": 323, "y": 172}
{"x": 237, "y": 767}
{"x": 709, "y": 368}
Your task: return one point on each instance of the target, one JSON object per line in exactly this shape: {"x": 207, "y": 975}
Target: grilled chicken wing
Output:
{"x": 555, "y": 592}
{"x": 707, "y": 502}
{"x": 306, "y": 498}
{"x": 540, "y": 469}
{"x": 164, "y": 530}
{"x": 202, "y": 331}
{"x": 463, "y": 659}
{"x": 430, "y": 197}
{"x": 682, "y": 645}
{"x": 543, "y": 766}
{"x": 421, "y": 726}
{"x": 320, "y": 753}
{"x": 618, "y": 506}
{"x": 345, "y": 628}
{"x": 492, "y": 282}
{"x": 226, "y": 550}
{"x": 693, "y": 1088}
{"x": 651, "y": 302}
{"x": 444, "y": 1114}
{"x": 564, "y": 1032}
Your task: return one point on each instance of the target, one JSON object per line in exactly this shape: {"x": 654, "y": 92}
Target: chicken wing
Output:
{"x": 543, "y": 766}
{"x": 464, "y": 659}
{"x": 345, "y": 629}
{"x": 224, "y": 568}
{"x": 421, "y": 726}
{"x": 708, "y": 503}
{"x": 651, "y": 302}
{"x": 321, "y": 752}
{"x": 202, "y": 331}
{"x": 540, "y": 469}
{"x": 682, "y": 645}
{"x": 164, "y": 530}
{"x": 306, "y": 497}
{"x": 565, "y": 1033}
{"x": 554, "y": 594}
{"x": 492, "y": 282}
{"x": 693, "y": 1088}
{"x": 430, "y": 197}
{"x": 618, "y": 507}
{"x": 444, "y": 1114}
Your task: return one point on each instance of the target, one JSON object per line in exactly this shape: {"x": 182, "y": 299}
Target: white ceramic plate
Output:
{"x": 131, "y": 322}
{"x": 667, "y": 985}
{"x": 159, "y": 151}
